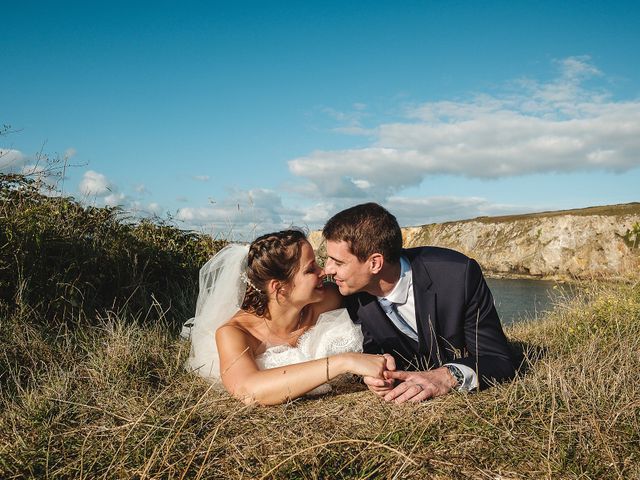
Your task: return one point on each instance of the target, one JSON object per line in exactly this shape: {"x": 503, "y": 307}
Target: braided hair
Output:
{"x": 271, "y": 256}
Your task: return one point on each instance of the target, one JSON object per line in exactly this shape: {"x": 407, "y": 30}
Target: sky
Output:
{"x": 238, "y": 118}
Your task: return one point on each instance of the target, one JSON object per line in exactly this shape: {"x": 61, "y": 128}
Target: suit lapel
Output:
{"x": 426, "y": 318}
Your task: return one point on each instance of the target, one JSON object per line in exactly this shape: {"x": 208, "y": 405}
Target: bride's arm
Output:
{"x": 242, "y": 378}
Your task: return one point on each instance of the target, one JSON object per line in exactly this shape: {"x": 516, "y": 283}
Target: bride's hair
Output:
{"x": 271, "y": 256}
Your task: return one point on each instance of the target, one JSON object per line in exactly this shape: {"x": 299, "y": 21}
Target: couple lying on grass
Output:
{"x": 415, "y": 323}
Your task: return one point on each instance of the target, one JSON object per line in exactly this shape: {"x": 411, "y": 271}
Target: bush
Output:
{"x": 70, "y": 261}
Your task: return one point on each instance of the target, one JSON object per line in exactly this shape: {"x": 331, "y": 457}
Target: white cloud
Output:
{"x": 418, "y": 211}
{"x": 557, "y": 126}
{"x": 137, "y": 207}
{"x": 141, "y": 189}
{"x": 201, "y": 178}
{"x": 37, "y": 170}
{"x": 70, "y": 152}
{"x": 114, "y": 199}
{"x": 12, "y": 161}
{"x": 241, "y": 215}
{"x": 95, "y": 184}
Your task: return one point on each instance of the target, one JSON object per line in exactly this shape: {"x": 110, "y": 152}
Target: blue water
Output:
{"x": 524, "y": 299}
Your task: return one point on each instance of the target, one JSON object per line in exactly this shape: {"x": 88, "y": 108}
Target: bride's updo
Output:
{"x": 271, "y": 256}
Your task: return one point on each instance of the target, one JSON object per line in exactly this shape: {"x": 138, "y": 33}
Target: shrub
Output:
{"x": 69, "y": 261}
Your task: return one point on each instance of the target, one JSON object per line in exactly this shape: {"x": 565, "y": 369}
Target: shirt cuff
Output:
{"x": 470, "y": 378}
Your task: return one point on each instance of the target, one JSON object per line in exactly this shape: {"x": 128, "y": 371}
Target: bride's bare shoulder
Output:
{"x": 242, "y": 324}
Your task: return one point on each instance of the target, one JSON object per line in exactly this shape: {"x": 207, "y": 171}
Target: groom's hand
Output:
{"x": 419, "y": 386}
{"x": 382, "y": 386}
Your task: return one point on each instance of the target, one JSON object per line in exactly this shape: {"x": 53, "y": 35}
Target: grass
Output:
{"x": 101, "y": 392}
{"x": 112, "y": 400}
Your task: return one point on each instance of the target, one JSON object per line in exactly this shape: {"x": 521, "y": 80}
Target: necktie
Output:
{"x": 392, "y": 312}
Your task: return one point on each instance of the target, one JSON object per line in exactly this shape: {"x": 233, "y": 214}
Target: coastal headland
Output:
{"x": 600, "y": 242}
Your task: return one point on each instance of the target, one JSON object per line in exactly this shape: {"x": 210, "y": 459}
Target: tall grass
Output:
{"x": 64, "y": 259}
{"x": 103, "y": 394}
{"x": 113, "y": 401}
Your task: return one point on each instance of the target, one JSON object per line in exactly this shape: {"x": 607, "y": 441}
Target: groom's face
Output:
{"x": 350, "y": 274}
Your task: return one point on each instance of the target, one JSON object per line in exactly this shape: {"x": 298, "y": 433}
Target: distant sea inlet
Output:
{"x": 524, "y": 299}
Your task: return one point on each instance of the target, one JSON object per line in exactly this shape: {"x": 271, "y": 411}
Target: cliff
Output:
{"x": 596, "y": 242}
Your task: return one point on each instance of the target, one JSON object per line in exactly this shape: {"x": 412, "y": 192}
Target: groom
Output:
{"x": 428, "y": 309}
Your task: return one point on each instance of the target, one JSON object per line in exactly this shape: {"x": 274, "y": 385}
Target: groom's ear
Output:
{"x": 376, "y": 261}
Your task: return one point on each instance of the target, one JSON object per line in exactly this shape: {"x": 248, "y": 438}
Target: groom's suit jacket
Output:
{"x": 455, "y": 315}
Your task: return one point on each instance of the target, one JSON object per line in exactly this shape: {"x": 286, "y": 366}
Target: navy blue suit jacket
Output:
{"x": 455, "y": 315}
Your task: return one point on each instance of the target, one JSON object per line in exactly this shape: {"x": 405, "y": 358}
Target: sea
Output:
{"x": 523, "y": 299}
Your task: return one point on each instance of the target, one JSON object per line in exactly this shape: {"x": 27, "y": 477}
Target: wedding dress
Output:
{"x": 221, "y": 293}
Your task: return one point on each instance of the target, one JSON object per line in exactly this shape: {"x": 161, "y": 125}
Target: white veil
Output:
{"x": 221, "y": 293}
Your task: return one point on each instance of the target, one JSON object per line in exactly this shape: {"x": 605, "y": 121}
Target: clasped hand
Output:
{"x": 400, "y": 386}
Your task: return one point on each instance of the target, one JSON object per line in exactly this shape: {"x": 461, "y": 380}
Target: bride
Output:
{"x": 289, "y": 337}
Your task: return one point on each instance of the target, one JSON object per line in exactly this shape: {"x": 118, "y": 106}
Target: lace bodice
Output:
{"x": 333, "y": 333}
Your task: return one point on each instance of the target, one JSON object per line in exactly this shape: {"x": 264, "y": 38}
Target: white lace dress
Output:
{"x": 333, "y": 333}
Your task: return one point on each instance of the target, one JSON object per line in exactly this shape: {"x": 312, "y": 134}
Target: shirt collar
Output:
{"x": 400, "y": 291}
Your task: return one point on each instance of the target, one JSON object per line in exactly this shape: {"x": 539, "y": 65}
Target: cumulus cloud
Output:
{"x": 114, "y": 199}
{"x": 533, "y": 127}
{"x": 418, "y": 211}
{"x": 12, "y": 161}
{"x": 95, "y": 184}
{"x": 102, "y": 191}
{"x": 242, "y": 214}
{"x": 70, "y": 153}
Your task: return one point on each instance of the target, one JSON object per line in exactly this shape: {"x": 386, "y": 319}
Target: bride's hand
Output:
{"x": 367, "y": 365}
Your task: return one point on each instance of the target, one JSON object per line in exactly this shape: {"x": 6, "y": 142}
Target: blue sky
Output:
{"x": 236, "y": 118}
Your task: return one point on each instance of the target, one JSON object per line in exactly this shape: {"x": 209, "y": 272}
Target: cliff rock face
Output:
{"x": 597, "y": 242}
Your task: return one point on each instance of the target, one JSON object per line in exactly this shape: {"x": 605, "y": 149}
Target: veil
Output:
{"x": 221, "y": 293}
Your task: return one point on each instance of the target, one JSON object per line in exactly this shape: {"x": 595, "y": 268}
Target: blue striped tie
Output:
{"x": 392, "y": 312}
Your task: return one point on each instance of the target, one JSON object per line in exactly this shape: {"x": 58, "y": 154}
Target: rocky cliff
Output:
{"x": 596, "y": 242}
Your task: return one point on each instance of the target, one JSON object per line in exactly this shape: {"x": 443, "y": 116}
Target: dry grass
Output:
{"x": 113, "y": 401}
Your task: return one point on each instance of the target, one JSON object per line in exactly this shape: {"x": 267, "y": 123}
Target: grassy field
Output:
{"x": 98, "y": 390}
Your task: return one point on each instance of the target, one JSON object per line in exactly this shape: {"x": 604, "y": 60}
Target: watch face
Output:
{"x": 457, "y": 374}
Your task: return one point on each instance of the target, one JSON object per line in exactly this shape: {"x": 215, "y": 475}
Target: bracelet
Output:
{"x": 328, "y": 370}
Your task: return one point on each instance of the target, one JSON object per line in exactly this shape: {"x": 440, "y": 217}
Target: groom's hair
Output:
{"x": 367, "y": 228}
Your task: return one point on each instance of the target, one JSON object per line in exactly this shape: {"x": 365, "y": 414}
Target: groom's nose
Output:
{"x": 329, "y": 267}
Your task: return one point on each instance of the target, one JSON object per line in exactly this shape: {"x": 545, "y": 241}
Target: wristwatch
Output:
{"x": 457, "y": 374}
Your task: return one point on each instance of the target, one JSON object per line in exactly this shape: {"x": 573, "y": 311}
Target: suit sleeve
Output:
{"x": 489, "y": 353}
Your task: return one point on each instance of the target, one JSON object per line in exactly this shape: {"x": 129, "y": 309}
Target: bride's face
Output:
{"x": 306, "y": 285}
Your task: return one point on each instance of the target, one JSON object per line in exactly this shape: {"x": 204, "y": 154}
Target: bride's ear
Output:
{"x": 275, "y": 288}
